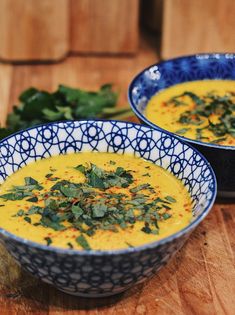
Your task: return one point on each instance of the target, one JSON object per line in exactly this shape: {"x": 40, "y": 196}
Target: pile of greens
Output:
{"x": 106, "y": 200}
{"x": 205, "y": 107}
{"x": 37, "y": 107}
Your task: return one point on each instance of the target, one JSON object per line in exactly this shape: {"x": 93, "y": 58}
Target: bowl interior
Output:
{"x": 164, "y": 74}
{"x": 162, "y": 149}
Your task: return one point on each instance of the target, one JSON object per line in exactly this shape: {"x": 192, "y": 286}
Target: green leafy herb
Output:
{"x": 30, "y": 181}
{"x": 35, "y": 210}
{"x": 146, "y": 229}
{"x": 182, "y": 131}
{"x": 81, "y": 240}
{"x": 89, "y": 206}
{"x": 171, "y": 199}
{"x": 15, "y": 196}
{"x": 27, "y": 219}
{"x": 77, "y": 211}
{"x": 99, "y": 210}
{"x": 66, "y": 103}
{"x": 146, "y": 174}
{"x": 166, "y": 216}
{"x": 129, "y": 245}
{"x": 20, "y": 213}
{"x": 205, "y": 107}
{"x": 48, "y": 240}
{"x": 33, "y": 199}
{"x": 80, "y": 168}
{"x": 70, "y": 245}
{"x": 219, "y": 140}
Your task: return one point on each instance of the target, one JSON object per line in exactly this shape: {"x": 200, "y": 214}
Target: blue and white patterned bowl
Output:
{"x": 103, "y": 273}
{"x": 190, "y": 68}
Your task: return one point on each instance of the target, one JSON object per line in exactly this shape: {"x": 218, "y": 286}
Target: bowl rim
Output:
{"x": 155, "y": 126}
{"x": 114, "y": 252}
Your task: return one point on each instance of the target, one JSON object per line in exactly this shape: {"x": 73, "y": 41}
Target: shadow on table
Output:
{"x": 38, "y": 295}
{"x": 45, "y": 294}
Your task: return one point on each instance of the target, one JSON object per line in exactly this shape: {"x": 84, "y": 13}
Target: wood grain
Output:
{"x": 104, "y": 26}
{"x": 197, "y": 26}
{"x": 34, "y": 30}
{"x": 199, "y": 280}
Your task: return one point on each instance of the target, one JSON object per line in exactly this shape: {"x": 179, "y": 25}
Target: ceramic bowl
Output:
{"x": 190, "y": 68}
{"x": 102, "y": 273}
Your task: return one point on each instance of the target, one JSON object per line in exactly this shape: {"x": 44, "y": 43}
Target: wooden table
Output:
{"x": 199, "y": 280}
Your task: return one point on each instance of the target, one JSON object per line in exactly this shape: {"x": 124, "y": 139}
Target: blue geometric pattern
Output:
{"x": 98, "y": 273}
{"x": 190, "y": 68}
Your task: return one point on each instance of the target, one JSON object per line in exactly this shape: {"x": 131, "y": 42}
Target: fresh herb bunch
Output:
{"x": 207, "y": 106}
{"x": 66, "y": 103}
{"x": 106, "y": 200}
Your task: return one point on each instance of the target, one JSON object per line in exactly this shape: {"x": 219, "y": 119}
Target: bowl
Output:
{"x": 102, "y": 273}
{"x": 190, "y": 68}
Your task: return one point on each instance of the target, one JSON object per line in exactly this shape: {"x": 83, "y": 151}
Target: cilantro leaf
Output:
{"x": 48, "y": 240}
{"x": 82, "y": 241}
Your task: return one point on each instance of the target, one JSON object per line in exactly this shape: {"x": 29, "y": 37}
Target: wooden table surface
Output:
{"x": 199, "y": 280}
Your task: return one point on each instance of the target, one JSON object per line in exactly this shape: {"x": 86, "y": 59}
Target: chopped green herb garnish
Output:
{"x": 166, "y": 216}
{"x": 48, "y": 240}
{"x": 15, "y": 196}
{"x": 90, "y": 206}
{"x": 70, "y": 245}
{"x": 171, "y": 199}
{"x": 146, "y": 174}
{"x": 219, "y": 140}
{"x": 146, "y": 229}
{"x": 207, "y": 106}
{"x": 33, "y": 199}
{"x": 182, "y": 131}
{"x": 129, "y": 245}
{"x": 80, "y": 168}
{"x": 20, "y": 213}
{"x": 27, "y": 219}
{"x": 30, "y": 181}
{"x": 81, "y": 240}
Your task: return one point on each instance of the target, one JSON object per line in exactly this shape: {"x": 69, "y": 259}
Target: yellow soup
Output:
{"x": 199, "y": 110}
{"x": 93, "y": 201}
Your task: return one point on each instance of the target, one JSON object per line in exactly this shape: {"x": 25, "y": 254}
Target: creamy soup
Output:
{"x": 93, "y": 201}
{"x": 199, "y": 110}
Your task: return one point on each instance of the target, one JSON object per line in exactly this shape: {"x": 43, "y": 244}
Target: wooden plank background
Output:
{"x": 34, "y": 30}
{"x": 104, "y": 26}
{"x": 200, "y": 280}
{"x": 50, "y": 29}
{"x": 197, "y": 26}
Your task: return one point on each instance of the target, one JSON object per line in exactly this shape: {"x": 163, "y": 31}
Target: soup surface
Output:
{"x": 199, "y": 110}
{"x": 93, "y": 201}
